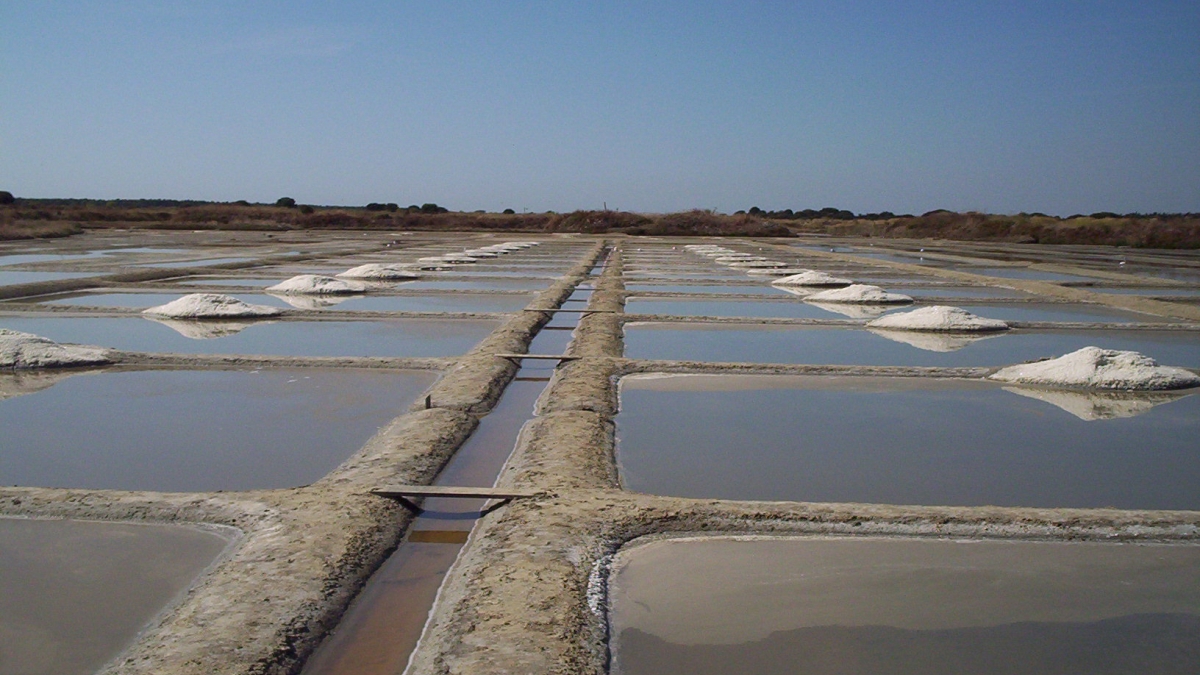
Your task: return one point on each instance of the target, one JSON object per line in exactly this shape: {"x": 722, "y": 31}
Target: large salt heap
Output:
{"x": 1096, "y": 368}
{"x": 26, "y": 350}
{"x": 812, "y": 278}
{"x": 379, "y": 271}
{"x": 315, "y": 284}
{"x": 862, "y": 294}
{"x": 210, "y": 306}
{"x": 938, "y": 319}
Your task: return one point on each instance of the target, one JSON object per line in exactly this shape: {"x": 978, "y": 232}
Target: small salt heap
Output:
{"x": 812, "y": 278}
{"x": 1096, "y": 368}
{"x": 315, "y": 284}
{"x": 26, "y": 350}
{"x": 210, "y": 306}
{"x": 862, "y": 294}
{"x": 379, "y": 271}
{"x": 938, "y": 318}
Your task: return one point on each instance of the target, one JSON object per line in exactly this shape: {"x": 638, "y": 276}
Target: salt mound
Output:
{"x": 210, "y": 306}
{"x": 1095, "y": 368}
{"x": 1099, "y": 405}
{"x": 378, "y": 271}
{"x": 932, "y": 342}
{"x": 812, "y": 278}
{"x": 315, "y": 284}
{"x": 863, "y": 294}
{"x": 26, "y": 350}
{"x": 939, "y": 318}
{"x": 458, "y": 259}
{"x": 206, "y": 330}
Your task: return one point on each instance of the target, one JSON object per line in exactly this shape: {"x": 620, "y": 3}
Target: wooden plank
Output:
{"x": 573, "y": 311}
{"x": 543, "y": 357}
{"x": 452, "y": 492}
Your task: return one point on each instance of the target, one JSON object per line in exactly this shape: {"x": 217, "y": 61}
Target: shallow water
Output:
{"x": 221, "y": 281}
{"x": 1051, "y": 311}
{"x": 906, "y": 441}
{"x": 500, "y": 284}
{"x": 195, "y": 263}
{"x": 849, "y": 346}
{"x": 74, "y": 594}
{"x": 928, "y": 607}
{"x": 961, "y": 292}
{"x": 187, "y": 430}
{"x": 1023, "y": 273}
{"x": 747, "y": 289}
{"x": 11, "y": 278}
{"x": 367, "y": 303}
{"x": 1146, "y": 291}
{"x": 796, "y": 309}
{"x": 392, "y": 337}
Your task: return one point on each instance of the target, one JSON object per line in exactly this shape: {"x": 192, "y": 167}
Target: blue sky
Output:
{"x": 1059, "y": 107}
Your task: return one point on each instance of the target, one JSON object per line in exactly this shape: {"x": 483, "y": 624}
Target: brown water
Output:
{"x": 74, "y": 594}
{"x": 907, "y": 441}
{"x": 187, "y": 430}
{"x": 893, "y": 606}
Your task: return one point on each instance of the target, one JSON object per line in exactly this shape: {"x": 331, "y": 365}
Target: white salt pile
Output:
{"x": 811, "y": 278}
{"x": 26, "y": 350}
{"x": 210, "y": 306}
{"x": 458, "y": 259}
{"x": 1099, "y": 405}
{"x": 939, "y": 318}
{"x": 863, "y": 294}
{"x": 1095, "y": 368}
{"x": 315, "y": 284}
{"x": 379, "y": 271}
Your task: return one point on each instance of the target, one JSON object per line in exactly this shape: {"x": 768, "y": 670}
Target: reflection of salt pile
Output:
{"x": 939, "y": 318}
{"x": 19, "y": 383}
{"x": 1095, "y": 368}
{"x": 210, "y": 306}
{"x": 811, "y": 278}
{"x": 315, "y": 284}
{"x": 1099, "y": 405}
{"x": 863, "y": 294}
{"x": 26, "y": 350}
{"x": 312, "y": 301}
{"x": 206, "y": 330}
{"x": 849, "y": 310}
{"x": 933, "y": 342}
{"x": 379, "y": 271}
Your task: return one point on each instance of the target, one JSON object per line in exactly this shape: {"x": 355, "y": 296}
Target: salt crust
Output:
{"x": 315, "y": 284}
{"x": 811, "y": 278}
{"x": 1096, "y": 368}
{"x": 26, "y": 350}
{"x": 379, "y": 271}
{"x": 939, "y": 318}
{"x": 210, "y": 306}
{"x": 863, "y": 294}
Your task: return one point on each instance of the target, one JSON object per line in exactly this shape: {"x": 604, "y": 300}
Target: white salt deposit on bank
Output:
{"x": 862, "y": 294}
{"x": 316, "y": 284}
{"x": 939, "y": 318}
{"x": 929, "y": 341}
{"x": 1095, "y": 368}
{"x": 26, "y": 350}
{"x": 210, "y": 306}
{"x": 1099, "y": 405}
{"x": 379, "y": 271}
{"x": 811, "y": 278}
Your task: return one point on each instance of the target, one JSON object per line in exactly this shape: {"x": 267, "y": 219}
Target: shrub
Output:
{"x": 6, "y": 197}
{"x": 509, "y": 212}
{"x": 285, "y": 202}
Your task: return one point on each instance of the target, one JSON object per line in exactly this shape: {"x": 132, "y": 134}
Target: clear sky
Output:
{"x": 1059, "y": 107}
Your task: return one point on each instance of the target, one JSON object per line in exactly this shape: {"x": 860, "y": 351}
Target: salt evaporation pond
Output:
{"x": 932, "y": 292}
{"x": 449, "y": 302}
{"x": 747, "y": 289}
{"x": 792, "y": 309}
{"x": 391, "y": 337}
{"x": 905, "y": 441}
{"x": 74, "y": 594}
{"x": 849, "y": 346}
{"x": 224, "y": 281}
{"x": 13, "y": 278}
{"x": 826, "y": 606}
{"x": 1023, "y": 273}
{"x": 189, "y": 430}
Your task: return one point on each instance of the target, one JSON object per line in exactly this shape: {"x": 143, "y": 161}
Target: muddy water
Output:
{"x": 848, "y": 346}
{"x": 906, "y": 441}
{"x": 196, "y": 430}
{"x": 74, "y": 594}
{"x": 927, "y": 607}
{"x": 396, "y": 337}
{"x": 478, "y": 302}
{"x": 382, "y": 626}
